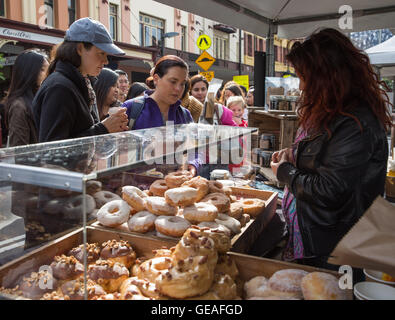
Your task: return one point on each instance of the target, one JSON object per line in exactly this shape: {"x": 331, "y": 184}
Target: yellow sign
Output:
{"x": 242, "y": 80}
{"x": 209, "y": 75}
{"x": 205, "y": 61}
{"x": 204, "y": 42}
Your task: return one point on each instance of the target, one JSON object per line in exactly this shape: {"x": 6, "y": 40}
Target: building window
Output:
{"x": 49, "y": 6}
{"x": 151, "y": 30}
{"x": 72, "y": 11}
{"x": 2, "y": 8}
{"x": 113, "y": 21}
{"x": 249, "y": 45}
{"x": 183, "y": 38}
{"x": 221, "y": 46}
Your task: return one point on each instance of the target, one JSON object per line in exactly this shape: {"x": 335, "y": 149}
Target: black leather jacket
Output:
{"x": 336, "y": 179}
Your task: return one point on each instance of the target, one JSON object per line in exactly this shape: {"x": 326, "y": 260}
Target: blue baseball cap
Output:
{"x": 92, "y": 31}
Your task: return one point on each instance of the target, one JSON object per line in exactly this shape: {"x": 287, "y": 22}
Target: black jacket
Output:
{"x": 61, "y": 106}
{"x": 336, "y": 179}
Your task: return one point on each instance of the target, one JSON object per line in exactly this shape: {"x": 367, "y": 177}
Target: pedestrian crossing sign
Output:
{"x": 204, "y": 42}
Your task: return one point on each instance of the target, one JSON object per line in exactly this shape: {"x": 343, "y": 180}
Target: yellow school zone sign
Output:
{"x": 209, "y": 75}
{"x": 205, "y": 61}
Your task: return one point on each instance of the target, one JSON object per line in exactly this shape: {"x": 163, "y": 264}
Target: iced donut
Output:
{"x": 108, "y": 274}
{"x": 102, "y": 197}
{"x": 215, "y": 187}
{"x": 199, "y": 183}
{"x": 181, "y": 197}
{"x": 231, "y": 223}
{"x": 36, "y": 284}
{"x": 176, "y": 179}
{"x": 220, "y": 200}
{"x": 159, "y": 207}
{"x": 172, "y": 226}
{"x": 134, "y": 197}
{"x": 92, "y": 249}
{"x": 66, "y": 268}
{"x": 201, "y": 212}
{"x": 118, "y": 251}
{"x": 142, "y": 222}
{"x": 215, "y": 226}
{"x": 322, "y": 286}
{"x": 236, "y": 210}
{"x": 113, "y": 213}
{"x": 158, "y": 188}
{"x": 74, "y": 207}
{"x": 252, "y": 207}
{"x": 287, "y": 283}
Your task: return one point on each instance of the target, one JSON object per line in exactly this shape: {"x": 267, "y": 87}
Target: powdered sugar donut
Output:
{"x": 200, "y": 212}
{"x": 159, "y": 207}
{"x": 183, "y": 196}
{"x": 231, "y": 223}
{"x": 158, "y": 188}
{"x": 134, "y": 197}
{"x": 287, "y": 283}
{"x": 256, "y": 287}
{"x": 142, "y": 222}
{"x": 322, "y": 286}
{"x": 114, "y": 213}
{"x": 171, "y": 226}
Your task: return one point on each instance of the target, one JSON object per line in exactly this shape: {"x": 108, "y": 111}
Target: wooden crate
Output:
{"x": 241, "y": 242}
{"x": 249, "y": 266}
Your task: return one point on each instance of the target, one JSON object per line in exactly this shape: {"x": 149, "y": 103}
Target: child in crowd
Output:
{"x": 237, "y": 105}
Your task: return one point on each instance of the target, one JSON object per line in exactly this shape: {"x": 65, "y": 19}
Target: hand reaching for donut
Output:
{"x": 279, "y": 157}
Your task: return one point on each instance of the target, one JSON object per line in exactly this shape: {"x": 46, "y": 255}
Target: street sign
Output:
{"x": 209, "y": 75}
{"x": 204, "y": 42}
{"x": 242, "y": 80}
{"x": 205, "y": 61}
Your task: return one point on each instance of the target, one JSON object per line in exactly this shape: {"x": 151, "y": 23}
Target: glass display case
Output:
{"x": 47, "y": 190}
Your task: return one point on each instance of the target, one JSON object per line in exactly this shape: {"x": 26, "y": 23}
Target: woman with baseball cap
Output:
{"x": 65, "y": 106}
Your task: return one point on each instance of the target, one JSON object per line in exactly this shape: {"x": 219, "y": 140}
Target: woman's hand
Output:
{"x": 117, "y": 122}
{"x": 279, "y": 157}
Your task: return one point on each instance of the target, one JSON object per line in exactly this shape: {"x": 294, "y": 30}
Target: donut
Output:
{"x": 221, "y": 240}
{"x": 148, "y": 289}
{"x": 172, "y": 226}
{"x": 130, "y": 291}
{"x": 75, "y": 289}
{"x": 215, "y": 226}
{"x": 244, "y": 219}
{"x": 142, "y": 222}
{"x": 54, "y": 206}
{"x": 66, "y": 268}
{"x": 231, "y": 223}
{"x": 200, "y": 212}
{"x": 215, "y": 187}
{"x": 181, "y": 197}
{"x": 158, "y": 188}
{"x": 226, "y": 265}
{"x": 252, "y": 207}
{"x": 322, "y": 286}
{"x": 134, "y": 197}
{"x": 92, "y": 249}
{"x": 159, "y": 207}
{"x": 35, "y": 284}
{"x": 236, "y": 210}
{"x": 256, "y": 287}
{"x": 55, "y": 296}
{"x": 109, "y": 296}
{"x": 199, "y": 183}
{"x": 220, "y": 200}
{"x": 151, "y": 269}
{"x": 102, "y": 197}
{"x": 176, "y": 179}
{"x": 114, "y": 213}
{"x": 93, "y": 186}
{"x": 224, "y": 287}
{"x": 287, "y": 283}
{"x": 108, "y": 274}
{"x": 118, "y": 251}
{"x": 74, "y": 207}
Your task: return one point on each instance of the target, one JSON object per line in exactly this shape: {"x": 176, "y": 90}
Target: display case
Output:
{"x": 47, "y": 190}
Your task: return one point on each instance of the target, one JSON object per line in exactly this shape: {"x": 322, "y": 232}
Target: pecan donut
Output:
{"x": 118, "y": 251}
{"x": 66, "y": 268}
{"x": 35, "y": 284}
{"x": 108, "y": 274}
{"x": 75, "y": 289}
{"x": 93, "y": 250}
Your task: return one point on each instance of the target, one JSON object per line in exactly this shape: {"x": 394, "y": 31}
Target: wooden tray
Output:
{"x": 249, "y": 266}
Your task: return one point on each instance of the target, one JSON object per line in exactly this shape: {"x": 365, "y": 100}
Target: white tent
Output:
{"x": 383, "y": 57}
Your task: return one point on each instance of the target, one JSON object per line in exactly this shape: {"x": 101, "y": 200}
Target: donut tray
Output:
{"x": 248, "y": 266}
{"x": 241, "y": 242}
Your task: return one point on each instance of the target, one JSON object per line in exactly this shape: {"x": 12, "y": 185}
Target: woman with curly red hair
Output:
{"x": 337, "y": 165}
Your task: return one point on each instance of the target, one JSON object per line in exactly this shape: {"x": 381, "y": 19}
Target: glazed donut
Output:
{"x": 215, "y": 226}
{"x": 215, "y": 187}
{"x": 200, "y": 212}
{"x": 322, "y": 286}
{"x": 158, "y": 188}
{"x": 32, "y": 284}
{"x": 118, "y": 251}
{"x": 252, "y": 207}
{"x": 181, "y": 197}
{"x": 176, "y": 179}
{"x": 108, "y": 274}
{"x": 142, "y": 222}
{"x": 54, "y": 206}
{"x": 75, "y": 289}
{"x": 134, "y": 197}
{"x": 287, "y": 283}
{"x": 256, "y": 287}
{"x": 92, "y": 249}
{"x": 103, "y": 197}
{"x": 231, "y": 223}
{"x": 159, "y": 207}
{"x": 93, "y": 186}
{"x": 244, "y": 219}
{"x": 199, "y": 183}
{"x": 114, "y": 213}
{"x": 151, "y": 269}
{"x": 66, "y": 268}
{"x": 220, "y": 200}
{"x": 74, "y": 208}
{"x": 236, "y": 210}
{"x": 171, "y": 226}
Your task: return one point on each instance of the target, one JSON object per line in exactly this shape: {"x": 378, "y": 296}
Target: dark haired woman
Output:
{"x": 189, "y": 102}
{"x": 65, "y": 105}
{"x": 107, "y": 91}
{"x": 137, "y": 89}
{"x": 30, "y": 69}
{"x": 337, "y": 165}
{"x": 230, "y": 89}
